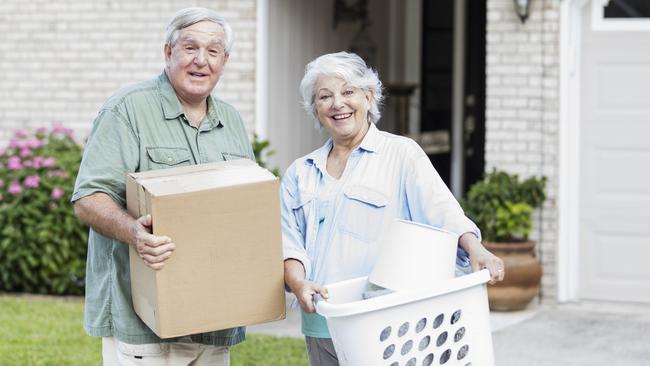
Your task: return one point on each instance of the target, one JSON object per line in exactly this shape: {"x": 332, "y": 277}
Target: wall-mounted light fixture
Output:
{"x": 522, "y": 8}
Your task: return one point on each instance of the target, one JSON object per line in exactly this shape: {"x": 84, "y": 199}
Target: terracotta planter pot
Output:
{"x": 522, "y": 279}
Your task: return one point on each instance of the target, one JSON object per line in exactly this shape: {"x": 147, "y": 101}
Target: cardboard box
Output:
{"x": 227, "y": 269}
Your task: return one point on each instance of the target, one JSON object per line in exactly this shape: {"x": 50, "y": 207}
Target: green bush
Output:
{"x": 501, "y": 205}
{"x": 259, "y": 147}
{"x": 42, "y": 244}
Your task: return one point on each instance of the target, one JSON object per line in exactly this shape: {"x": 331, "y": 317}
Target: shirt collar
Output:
{"x": 370, "y": 143}
{"x": 371, "y": 140}
{"x": 172, "y": 107}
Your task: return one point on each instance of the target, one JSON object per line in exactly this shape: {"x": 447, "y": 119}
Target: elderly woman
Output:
{"x": 337, "y": 200}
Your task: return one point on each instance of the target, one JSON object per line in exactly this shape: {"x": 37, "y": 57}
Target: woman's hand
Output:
{"x": 305, "y": 291}
{"x": 482, "y": 258}
{"x": 294, "y": 277}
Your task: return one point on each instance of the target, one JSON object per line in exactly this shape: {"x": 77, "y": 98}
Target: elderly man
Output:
{"x": 172, "y": 120}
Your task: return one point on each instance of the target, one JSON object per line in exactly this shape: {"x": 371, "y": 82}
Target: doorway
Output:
{"x": 453, "y": 89}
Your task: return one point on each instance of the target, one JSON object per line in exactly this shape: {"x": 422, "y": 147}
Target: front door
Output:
{"x": 615, "y": 160}
{"x": 439, "y": 78}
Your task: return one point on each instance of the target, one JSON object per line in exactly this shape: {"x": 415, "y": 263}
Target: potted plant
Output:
{"x": 502, "y": 206}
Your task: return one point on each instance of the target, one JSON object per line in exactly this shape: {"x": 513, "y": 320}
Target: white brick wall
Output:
{"x": 522, "y": 109}
{"x": 61, "y": 59}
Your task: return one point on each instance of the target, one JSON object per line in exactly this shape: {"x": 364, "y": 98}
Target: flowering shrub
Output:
{"x": 42, "y": 244}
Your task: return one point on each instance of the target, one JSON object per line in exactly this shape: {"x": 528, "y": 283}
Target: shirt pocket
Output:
{"x": 233, "y": 156}
{"x": 166, "y": 157}
{"x": 302, "y": 209}
{"x": 364, "y": 209}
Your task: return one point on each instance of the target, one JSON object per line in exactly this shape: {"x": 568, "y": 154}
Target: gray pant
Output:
{"x": 321, "y": 352}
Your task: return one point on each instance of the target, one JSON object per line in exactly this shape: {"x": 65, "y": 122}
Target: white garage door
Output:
{"x": 615, "y": 164}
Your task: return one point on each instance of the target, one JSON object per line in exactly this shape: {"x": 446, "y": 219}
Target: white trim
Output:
{"x": 261, "y": 68}
{"x": 568, "y": 253}
{"x": 458, "y": 90}
{"x": 600, "y": 23}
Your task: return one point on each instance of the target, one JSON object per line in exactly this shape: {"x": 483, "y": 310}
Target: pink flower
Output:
{"x": 25, "y": 153}
{"x": 61, "y": 173}
{"x": 21, "y": 134}
{"x": 48, "y": 162}
{"x": 2, "y": 152}
{"x": 34, "y": 143}
{"x": 37, "y": 162}
{"x": 14, "y": 187}
{"x": 32, "y": 181}
{"x": 28, "y": 164}
{"x": 14, "y": 163}
{"x": 57, "y": 193}
{"x": 41, "y": 130}
{"x": 15, "y": 144}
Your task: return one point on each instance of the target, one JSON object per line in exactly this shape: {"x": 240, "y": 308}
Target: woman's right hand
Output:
{"x": 305, "y": 291}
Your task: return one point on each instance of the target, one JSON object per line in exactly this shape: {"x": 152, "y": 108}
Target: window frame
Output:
{"x": 600, "y": 23}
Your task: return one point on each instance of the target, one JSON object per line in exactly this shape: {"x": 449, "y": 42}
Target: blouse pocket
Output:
{"x": 167, "y": 157}
{"x": 364, "y": 210}
{"x": 302, "y": 208}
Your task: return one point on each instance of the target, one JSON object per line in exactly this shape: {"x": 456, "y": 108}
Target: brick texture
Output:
{"x": 60, "y": 60}
{"x": 522, "y": 110}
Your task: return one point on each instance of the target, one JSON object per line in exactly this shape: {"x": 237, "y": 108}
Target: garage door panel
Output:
{"x": 622, "y": 85}
{"x": 615, "y": 165}
{"x": 622, "y": 173}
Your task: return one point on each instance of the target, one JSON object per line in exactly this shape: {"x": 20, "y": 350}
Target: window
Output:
{"x": 620, "y": 15}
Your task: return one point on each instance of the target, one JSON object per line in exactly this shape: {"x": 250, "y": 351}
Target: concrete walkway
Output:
{"x": 568, "y": 335}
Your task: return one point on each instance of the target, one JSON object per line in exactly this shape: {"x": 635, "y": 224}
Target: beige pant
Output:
{"x": 116, "y": 353}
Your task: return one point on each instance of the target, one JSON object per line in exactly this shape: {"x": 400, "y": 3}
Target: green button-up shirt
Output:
{"x": 143, "y": 127}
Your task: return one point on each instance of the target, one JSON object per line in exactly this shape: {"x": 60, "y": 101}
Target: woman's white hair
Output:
{"x": 190, "y": 16}
{"x": 346, "y": 66}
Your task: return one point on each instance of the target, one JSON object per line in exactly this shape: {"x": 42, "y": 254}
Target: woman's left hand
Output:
{"x": 481, "y": 258}
{"x": 485, "y": 259}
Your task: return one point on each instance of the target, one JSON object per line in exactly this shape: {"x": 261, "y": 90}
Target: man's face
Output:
{"x": 196, "y": 61}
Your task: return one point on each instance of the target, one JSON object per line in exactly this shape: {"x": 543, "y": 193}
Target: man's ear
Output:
{"x": 167, "y": 50}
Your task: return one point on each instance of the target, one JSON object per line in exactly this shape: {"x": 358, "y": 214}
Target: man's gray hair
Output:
{"x": 190, "y": 16}
{"x": 346, "y": 66}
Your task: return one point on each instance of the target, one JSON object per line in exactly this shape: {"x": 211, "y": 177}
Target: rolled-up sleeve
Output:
{"x": 293, "y": 230}
{"x": 111, "y": 151}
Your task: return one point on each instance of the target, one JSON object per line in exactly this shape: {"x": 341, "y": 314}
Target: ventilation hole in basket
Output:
{"x": 424, "y": 343}
{"x": 411, "y": 362}
{"x": 421, "y": 324}
{"x": 456, "y": 316}
{"x": 407, "y": 347}
{"x": 394, "y": 363}
{"x": 385, "y": 334}
{"x": 444, "y": 357}
{"x": 462, "y": 352}
{"x": 439, "y": 319}
{"x": 403, "y": 329}
{"x": 389, "y": 351}
{"x": 442, "y": 338}
{"x": 428, "y": 360}
{"x": 468, "y": 364}
{"x": 460, "y": 333}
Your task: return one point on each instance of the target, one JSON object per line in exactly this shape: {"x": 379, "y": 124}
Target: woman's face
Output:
{"x": 342, "y": 109}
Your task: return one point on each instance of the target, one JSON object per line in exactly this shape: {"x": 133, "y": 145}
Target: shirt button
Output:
{"x": 169, "y": 159}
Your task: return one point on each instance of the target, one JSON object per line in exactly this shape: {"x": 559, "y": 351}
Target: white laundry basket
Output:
{"x": 445, "y": 324}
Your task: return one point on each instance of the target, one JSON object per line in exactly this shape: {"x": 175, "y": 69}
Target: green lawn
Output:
{"x": 48, "y": 331}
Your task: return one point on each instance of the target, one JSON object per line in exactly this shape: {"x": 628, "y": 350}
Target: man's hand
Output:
{"x": 105, "y": 216}
{"x": 154, "y": 250}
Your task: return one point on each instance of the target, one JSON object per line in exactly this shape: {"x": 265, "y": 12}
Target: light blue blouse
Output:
{"x": 333, "y": 225}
